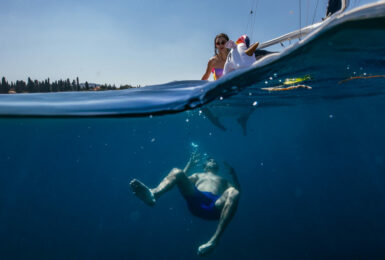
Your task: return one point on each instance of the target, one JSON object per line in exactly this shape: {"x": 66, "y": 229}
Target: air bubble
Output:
{"x": 194, "y": 145}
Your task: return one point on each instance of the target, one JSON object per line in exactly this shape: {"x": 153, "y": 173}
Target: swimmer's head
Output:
{"x": 211, "y": 166}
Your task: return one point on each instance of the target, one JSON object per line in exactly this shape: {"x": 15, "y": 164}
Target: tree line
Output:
{"x": 35, "y": 86}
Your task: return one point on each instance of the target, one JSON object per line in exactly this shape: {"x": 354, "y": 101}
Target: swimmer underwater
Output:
{"x": 208, "y": 195}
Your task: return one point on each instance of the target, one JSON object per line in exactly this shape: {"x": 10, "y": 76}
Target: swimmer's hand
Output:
{"x": 207, "y": 248}
{"x": 195, "y": 158}
{"x": 193, "y": 161}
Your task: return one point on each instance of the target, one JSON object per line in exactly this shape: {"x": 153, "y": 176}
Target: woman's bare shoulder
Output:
{"x": 213, "y": 59}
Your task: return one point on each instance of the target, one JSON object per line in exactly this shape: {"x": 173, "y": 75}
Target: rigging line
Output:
{"x": 315, "y": 11}
{"x": 248, "y": 20}
{"x": 307, "y": 12}
{"x": 254, "y": 20}
{"x": 249, "y": 17}
{"x": 247, "y": 24}
{"x": 252, "y": 17}
{"x": 300, "y": 19}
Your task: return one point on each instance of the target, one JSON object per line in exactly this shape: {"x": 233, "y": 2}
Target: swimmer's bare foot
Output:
{"x": 207, "y": 248}
{"x": 142, "y": 192}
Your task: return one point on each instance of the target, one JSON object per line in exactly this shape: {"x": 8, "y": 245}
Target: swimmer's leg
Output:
{"x": 175, "y": 177}
{"x": 142, "y": 192}
{"x": 228, "y": 203}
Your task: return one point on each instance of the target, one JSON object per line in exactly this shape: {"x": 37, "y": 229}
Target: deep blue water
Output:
{"x": 312, "y": 176}
{"x": 311, "y": 165}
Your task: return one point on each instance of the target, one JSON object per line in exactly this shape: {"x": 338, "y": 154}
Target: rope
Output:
{"x": 315, "y": 11}
{"x": 307, "y": 12}
{"x": 250, "y": 17}
{"x": 254, "y": 20}
{"x": 300, "y": 19}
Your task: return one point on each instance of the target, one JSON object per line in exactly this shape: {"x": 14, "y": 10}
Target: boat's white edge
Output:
{"x": 303, "y": 31}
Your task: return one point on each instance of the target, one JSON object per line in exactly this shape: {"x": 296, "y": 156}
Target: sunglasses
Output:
{"x": 220, "y": 43}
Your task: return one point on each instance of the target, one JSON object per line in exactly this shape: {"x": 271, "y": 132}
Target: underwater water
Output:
{"x": 311, "y": 162}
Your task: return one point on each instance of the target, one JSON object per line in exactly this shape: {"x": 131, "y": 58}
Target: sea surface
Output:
{"x": 311, "y": 162}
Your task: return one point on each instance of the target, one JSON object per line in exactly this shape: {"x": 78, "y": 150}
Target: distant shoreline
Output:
{"x": 46, "y": 86}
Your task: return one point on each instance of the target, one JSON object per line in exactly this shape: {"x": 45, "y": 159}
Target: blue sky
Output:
{"x": 133, "y": 41}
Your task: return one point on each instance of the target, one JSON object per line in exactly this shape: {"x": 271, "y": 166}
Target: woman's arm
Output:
{"x": 210, "y": 66}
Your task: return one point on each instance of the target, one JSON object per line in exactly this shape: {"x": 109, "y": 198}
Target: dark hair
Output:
{"x": 223, "y": 35}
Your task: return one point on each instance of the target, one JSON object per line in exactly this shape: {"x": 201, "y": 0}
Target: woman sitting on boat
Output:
{"x": 217, "y": 63}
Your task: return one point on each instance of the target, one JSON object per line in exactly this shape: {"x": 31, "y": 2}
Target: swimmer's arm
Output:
{"x": 191, "y": 162}
{"x": 187, "y": 167}
{"x": 210, "y": 66}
